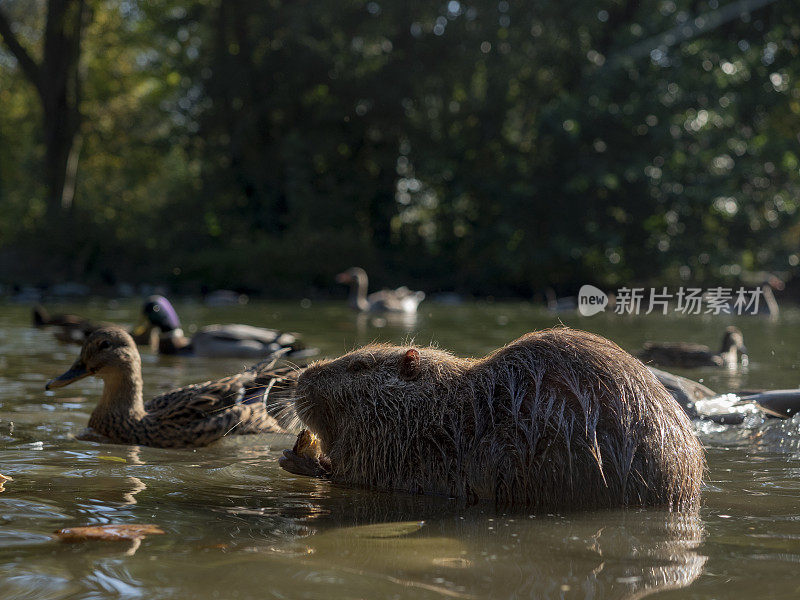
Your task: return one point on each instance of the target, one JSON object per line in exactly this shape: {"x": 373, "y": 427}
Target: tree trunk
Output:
{"x": 57, "y": 79}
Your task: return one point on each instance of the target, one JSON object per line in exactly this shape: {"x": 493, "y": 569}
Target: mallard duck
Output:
{"x": 195, "y": 415}
{"x": 781, "y": 404}
{"x": 235, "y": 341}
{"x": 686, "y": 355}
{"x": 700, "y": 402}
{"x": 74, "y": 329}
{"x": 401, "y": 300}
{"x": 685, "y": 391}
{"x": 70, "y": 329}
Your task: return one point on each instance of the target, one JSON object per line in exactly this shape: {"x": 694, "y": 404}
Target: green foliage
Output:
{"x": 489, "y": 147}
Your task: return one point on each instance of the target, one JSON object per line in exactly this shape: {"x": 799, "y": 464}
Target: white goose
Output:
{"x": 401, "y": 300}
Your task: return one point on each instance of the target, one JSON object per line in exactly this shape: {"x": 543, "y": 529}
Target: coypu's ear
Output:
{"x": 409, "y": 367}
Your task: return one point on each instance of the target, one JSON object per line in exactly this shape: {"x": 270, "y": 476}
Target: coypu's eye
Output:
{"x": 409, "y": 365}
{"x": 105, "y": 344}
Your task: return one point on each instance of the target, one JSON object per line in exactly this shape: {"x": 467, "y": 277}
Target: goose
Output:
{"x": 401, "y": 300}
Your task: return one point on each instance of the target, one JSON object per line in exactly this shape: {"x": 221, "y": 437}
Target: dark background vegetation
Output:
{"x": 479, "y": 146}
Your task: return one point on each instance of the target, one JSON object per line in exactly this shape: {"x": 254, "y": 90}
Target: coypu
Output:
{"x": 558, "y": 419}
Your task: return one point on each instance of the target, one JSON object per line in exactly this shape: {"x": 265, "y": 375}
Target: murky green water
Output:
{"x": 237, "y": 526}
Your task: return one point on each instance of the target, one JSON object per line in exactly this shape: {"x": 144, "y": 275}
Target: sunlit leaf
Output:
{"x": 112, "y": 459}
{"x": 112, "y": 533}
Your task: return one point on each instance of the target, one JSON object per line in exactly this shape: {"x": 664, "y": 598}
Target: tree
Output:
{"x": 57, "y": 79}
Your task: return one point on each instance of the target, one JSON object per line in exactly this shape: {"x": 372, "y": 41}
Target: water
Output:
{"x": 237, "y": 526}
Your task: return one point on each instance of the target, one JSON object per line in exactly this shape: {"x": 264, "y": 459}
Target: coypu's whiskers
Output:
{"x": 235, "y": 425}
{"x": 295, "y": 367}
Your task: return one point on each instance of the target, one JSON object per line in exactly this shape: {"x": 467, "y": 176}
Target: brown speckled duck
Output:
{"x": 195, "y": 415}
{"x": 70, "y": 329}
{"x": 687, "y": 356}
{"x": 74, "y": 329}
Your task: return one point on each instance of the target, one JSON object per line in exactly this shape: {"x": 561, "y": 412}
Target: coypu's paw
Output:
{"x": 306, "y": 457}
{"x": 303, "y": 465}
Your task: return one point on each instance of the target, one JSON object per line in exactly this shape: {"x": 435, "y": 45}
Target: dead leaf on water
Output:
{"x": 111, "y": 533}
{"x": 3, "y": 479}
{"x": 214, "y": 547}
{"x": 382, "y": 530}
{"x": 112, "y": 458}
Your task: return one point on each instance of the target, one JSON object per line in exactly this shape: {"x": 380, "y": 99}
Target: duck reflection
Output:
{"x": 136, "y": 486}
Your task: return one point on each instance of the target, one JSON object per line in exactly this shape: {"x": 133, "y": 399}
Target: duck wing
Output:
{"x": 243, "y": 341}
{"x": 685, "y": 391}
{"x": 256, "y": 400}
{"x": 678, "y": 354}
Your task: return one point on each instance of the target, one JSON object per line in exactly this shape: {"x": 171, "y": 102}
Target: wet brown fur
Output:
{"x": 558, "y": 419}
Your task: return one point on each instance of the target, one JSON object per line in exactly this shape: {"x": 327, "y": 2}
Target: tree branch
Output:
{"x": 26, "y": 63}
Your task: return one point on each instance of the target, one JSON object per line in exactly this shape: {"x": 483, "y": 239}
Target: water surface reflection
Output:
{"x": 238, "y": 526}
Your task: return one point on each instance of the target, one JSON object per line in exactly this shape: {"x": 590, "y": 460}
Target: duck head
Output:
{"x": 105, "y": 352}
{"x": 158, "y": 313}
{"x": 733, "y": 343}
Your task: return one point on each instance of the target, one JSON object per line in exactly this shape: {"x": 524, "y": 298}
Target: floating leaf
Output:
{"x": 4, "y": 478}
{"x": 382, "y": 530}
{"x": 215, "y": 546}
{"x": 112, "y": 459}
{"x": 111, "y": 533}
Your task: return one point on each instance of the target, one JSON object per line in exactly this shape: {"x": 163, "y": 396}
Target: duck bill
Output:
{"x": 142, "y": 327}
{"x": 76, "y": 371}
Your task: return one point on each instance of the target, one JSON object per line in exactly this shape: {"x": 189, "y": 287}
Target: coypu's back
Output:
{"x": 592, "y": 428}
{"x": 558, "y": 419}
